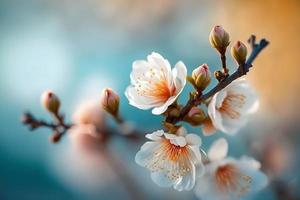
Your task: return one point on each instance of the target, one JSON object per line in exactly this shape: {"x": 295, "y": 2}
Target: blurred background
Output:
{"x": 77, "y": 47}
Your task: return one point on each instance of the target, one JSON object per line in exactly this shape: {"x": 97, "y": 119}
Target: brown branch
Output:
{"x": 241, "y": 71}
{"x": 59, "y": 128}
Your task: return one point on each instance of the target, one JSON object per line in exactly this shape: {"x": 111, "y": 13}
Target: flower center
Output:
{"x": 174, "y": 152}
{"x": 230, "y": 179}
{"x": 154, "y": 84}
{"x": 231, "y": 102}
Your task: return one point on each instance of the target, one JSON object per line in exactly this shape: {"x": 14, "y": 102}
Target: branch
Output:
{"x": 59, "y": 128}
{"x": 241, "y": 71}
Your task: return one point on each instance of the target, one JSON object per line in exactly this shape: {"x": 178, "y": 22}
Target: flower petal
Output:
{"x": 146, "y": 152}
{"x": 161, "y": 109}
{"x": 155, "y": 135}
{"x": 208, "y": 127}
{"x": 161, "y": 179}
{"x": 179, "y": 76}
{"x": 218, "y": 150}
{"x": 138, "y": 101}
{"x": 193, "y": 139}
{"x": 259, "y": 180}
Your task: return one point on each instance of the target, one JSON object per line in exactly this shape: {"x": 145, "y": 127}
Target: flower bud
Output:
{"x": 50, "y": 102}
{"x": 110, "y": 101}
{"x": 219, "y": 39}
{"x": 201, "y": 77}
{"x": 195, "y": 116}
{"x": 239, "y": 52}
{"x": 55, "y": 137}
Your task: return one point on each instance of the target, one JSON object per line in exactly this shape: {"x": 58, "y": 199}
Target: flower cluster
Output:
{"x": 173, "y": 156}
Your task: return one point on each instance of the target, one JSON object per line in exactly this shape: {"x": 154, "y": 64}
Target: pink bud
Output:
{"x": 239, "y": 52}
{"x": 219, "y": 39}
{"x": 201, "y": 76}
{"x": 110, "y": 101}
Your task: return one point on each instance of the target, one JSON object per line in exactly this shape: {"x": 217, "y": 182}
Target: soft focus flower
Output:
{"x": 228, "y": 109}
{"x": 239, "y": 52}
{"x": 89, "y": 119}
{"x": 174, "y": 160}
{"x": 219, "y": 39}
{"x": 110, "y": 101}
{"x": 201, "y": 76}
{"x": 50, "y": 101}
{"x": 154, "y": 84}
{"x": 229, "y": 178}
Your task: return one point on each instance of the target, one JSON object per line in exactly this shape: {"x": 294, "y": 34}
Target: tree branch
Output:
{"x": 241, "y": 71}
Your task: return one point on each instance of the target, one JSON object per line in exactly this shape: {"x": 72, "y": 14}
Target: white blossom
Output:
{"x": 174, "y": 160}
{"x": 228, "y": 178}
{"x": 154, "y": 84}
{"x": 229, "y": 108}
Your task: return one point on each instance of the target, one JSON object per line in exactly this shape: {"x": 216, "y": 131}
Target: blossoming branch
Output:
{"x": 173, "y": 156}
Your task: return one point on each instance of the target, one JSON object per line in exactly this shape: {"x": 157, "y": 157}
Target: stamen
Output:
{"x": 229, "y": 179}
{"x": 230, "y": 103}
{"x": 154, "y": 84}
{"x": 172, "y": 159}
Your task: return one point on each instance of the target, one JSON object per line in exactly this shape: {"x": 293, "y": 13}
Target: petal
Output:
{"x": 179, "y": 76}
{"x": 161, "y": 109}
{"x": 138, "y": 101}
{"x": 139, "y": 68}
{"x": 161, "y": 179}
{"x": 146, "y": 152}
{"x": 255, "y": 164}
{"x": 186, "y": 182}
{"x": 181, "y": 131}
{"x": 208, "y": 127}
{"x": 193, "y": 139}
{"x": 232, "y": 126}
{"x": 155, "y": 135}
{"x": 176, "y": 140}
{"x": 205, "y": 188}
{"x": 196, "y": 154}
{"x": 243, "y": 87}
{"x": 259, "y": 180}
{"x": 214, "y": 114}
{"x": 158, "y": 62}
{"x": 218, "y": 150}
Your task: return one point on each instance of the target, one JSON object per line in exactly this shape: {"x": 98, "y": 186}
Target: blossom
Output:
{"x": 229, "y": 108}
{"x": 154, "y": 84}
{"x": 229, "y": 178}
{"x": 88, "y": 118}
{"x": 173, "y": 159}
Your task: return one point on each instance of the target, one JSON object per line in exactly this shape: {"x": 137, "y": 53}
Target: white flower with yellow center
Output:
{"x": 229, "y": 108}
{"x": 228, "y": 178}
{"x": 154, "y": 84}
{"x": 174, "y": 160}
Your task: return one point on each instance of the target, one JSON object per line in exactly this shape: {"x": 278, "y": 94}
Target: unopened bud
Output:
{"x": 201, "y": 77}
{"x": 50, "y": 101}
{"x": 219, "y": 39}
{"x": 219, "y": 75}
{"x": 239, "y": 52}
{"x": 55, "y": 137}
{"x": 195, "y": 116}
{"x": 110, "y": 101}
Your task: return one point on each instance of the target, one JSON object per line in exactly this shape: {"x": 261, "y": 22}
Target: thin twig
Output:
{"x": 241, "y": 71}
